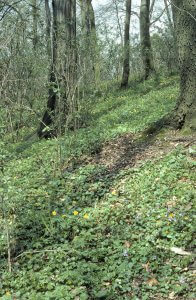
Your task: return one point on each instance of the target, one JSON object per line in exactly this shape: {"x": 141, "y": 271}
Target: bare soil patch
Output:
{"x": 130, "y": 150}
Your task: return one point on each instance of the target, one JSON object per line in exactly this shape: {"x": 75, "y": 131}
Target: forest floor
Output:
{"x": 133, "y": 150}
{"x": 106, "y": 212}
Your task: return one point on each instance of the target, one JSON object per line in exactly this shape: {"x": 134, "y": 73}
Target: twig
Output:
{"x": 151, "y": 23}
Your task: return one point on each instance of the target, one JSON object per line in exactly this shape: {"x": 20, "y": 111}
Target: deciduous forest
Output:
{"x": 97, "y": 149}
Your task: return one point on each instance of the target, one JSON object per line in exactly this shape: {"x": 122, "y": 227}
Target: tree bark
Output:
{"x": 35, "y": 23}
{"x": 151, "y": 8}
{"x": 88, "y": 16}
{"x": 67, "y": 54}
{"x": 184, "y": 12}
{"x": 63, "y": 69}
{"x": 118, "y": 20}
{"x": 126, "y": 61}
{"x": 49, "y": 115}
{"x": 146, "y": 49}
{"x": 48, "y": 27}
{"x": 89, "y": 33}
{"x": 171, "y": 25}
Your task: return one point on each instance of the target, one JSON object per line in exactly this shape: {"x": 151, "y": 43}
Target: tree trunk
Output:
{"x": 89, "y": 34}
{"x": 49, "y": 115}
{"x": 151, "y": 9}
{"x": 63, "y": 69}
{"x": 171, "y": 25}
{"x": 88, "y": 16}
{"x": 184, "y": 12}
{"x": 146, "y": 49}
{"x": 67, "y": 55}
{"x": 126, "y": 61}
{"x": 35, "y": 21}
{"x": 118, "y": 20}
{"x": 48, "y": 27}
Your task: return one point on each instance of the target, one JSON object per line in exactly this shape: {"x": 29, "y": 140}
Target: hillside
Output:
{"x": 104, "y": 212}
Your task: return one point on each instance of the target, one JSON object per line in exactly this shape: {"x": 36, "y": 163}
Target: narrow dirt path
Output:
{"x": 130, "y": 150}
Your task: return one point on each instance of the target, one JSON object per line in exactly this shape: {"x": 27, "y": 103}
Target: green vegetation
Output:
{"x": 78, "y": 227}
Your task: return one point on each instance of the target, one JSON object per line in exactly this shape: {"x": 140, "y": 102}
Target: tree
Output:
{"x": 49, "y": 114}
{"x": 89, "y": 34}
{"x": 35, "y": 25}
{"x": 115, "y": 2}
{"x": 184, "y": 12}
{"x": 67, "y": 61}
{"x": 126, "y": 62}
{"x": 171, "y": 25}
{"x": 88, "y": 17}
{"x": 146, "y": 50}
{"x": 48, "y": 27}
{"x": 62, "y": 77}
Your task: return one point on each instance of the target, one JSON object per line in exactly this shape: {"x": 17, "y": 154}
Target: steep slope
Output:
{"x": 104, "y": 212}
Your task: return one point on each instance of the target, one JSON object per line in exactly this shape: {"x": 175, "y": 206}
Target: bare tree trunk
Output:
{"x": 171, "y": 25}
{"x": 35, "y": 25}
{"x": 146, "y": 49}
{"x": 48, "y": 27}
{"x": 89, "y": 33}
{"x": 126, "y": 61}
{"x": 67, "y": 54}
{"x": 151, "y": 8}
{"x": 49, "y": 115}
{"x": 184, "y": 12}
{"x": 118, "y": 20}
{"x": 89, "y": 16}
{"x": 83, "y": 16}
{"x": 63, "y": 69}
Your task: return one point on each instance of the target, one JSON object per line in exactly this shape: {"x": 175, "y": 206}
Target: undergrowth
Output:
{"x": 78, "y": 230}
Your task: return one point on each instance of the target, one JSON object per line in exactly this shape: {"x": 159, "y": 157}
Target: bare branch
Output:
{"x": 158, "y": 18}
